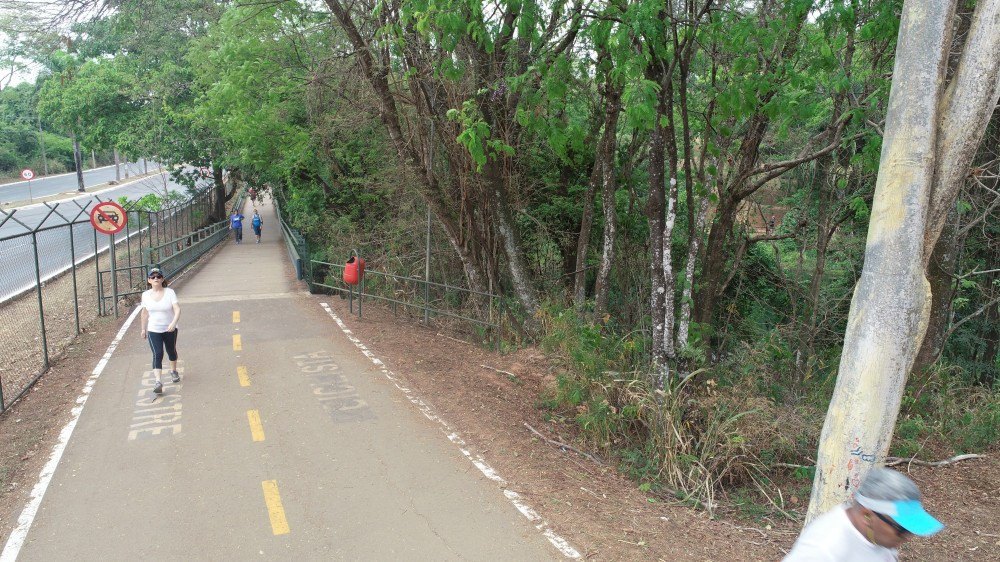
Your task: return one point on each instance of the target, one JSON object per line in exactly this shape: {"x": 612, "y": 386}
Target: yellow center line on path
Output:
{"x": 236, "y": 317}
{"x": 237, "y": 343}
{"x": 256, "y": 428}
{"x": 279, "y": 525}
{"x": 241, "y": 372}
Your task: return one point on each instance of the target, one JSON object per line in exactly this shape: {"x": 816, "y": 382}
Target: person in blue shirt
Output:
{"x": 256, "y": 222}
{"x": 236, "y": 225}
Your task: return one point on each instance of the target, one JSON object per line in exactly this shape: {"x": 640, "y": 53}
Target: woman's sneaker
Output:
{"x": 175, "y": 376}
{"x": 158, "y": 388}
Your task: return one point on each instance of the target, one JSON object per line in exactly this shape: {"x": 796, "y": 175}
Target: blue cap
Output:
{"x": 892, "y": 494}
{"x": 912, "y": 516}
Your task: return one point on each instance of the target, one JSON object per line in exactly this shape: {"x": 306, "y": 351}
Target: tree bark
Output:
{"x": 684, "y": 320}
{"x": 967, "y": 108}
{"x": 889, "y": 311}
{"x": 78, "y": 161}
{"x": 609, "y": 187}
{"x": 940, "y": 274}
{"x": 583, "y": 238}
{"x": 654, "y": 213}
{"x": 118, "y": 175}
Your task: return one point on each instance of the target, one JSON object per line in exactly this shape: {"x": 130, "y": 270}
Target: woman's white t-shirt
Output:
{"x": 161, "y": 312}
{"x": 833, "y": 538}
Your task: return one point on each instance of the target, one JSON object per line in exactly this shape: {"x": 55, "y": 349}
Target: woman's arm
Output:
{"x": 177, "y": 315}
{"x": 144, "y": 319}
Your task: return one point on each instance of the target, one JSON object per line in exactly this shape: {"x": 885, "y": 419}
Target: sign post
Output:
{"x": 110, "y": 218}
{"x": 28, "y": 174}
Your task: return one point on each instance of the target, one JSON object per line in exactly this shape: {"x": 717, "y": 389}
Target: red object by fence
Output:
{"x": 354, "y": 270}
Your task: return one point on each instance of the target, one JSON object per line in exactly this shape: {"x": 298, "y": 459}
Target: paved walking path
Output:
{"x": 280, "y": 442}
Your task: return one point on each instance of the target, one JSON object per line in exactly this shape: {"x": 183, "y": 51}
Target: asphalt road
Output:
{"x": 281, "y": 442}
{"x": 17, "y": 266}
{"x": 63, "y": 183}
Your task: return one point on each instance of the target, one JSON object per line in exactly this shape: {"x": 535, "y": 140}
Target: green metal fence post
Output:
{"x": 41, "y": 309}
{"x": 114, "y": 273}
{"x": 72, "y": 264}
{"x": 97, "y": 271}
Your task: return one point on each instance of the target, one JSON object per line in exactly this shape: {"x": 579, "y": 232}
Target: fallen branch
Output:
{"x": 893, "y": 461}
{"x": 501, "y": 371}
{"x": 562, "y": 445}
{"x": 453, "y": 339}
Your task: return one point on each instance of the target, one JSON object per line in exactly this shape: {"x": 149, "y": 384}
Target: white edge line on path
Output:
{"x": 24, "y": 521}
{"x": 530, "y": 514}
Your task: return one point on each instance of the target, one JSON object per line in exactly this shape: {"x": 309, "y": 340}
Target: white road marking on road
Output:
{"x": 27, "y": 517}
{"x": 557, "y": 541}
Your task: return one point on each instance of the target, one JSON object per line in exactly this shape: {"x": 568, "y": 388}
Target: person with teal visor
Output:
{"x": 885, "y": 512}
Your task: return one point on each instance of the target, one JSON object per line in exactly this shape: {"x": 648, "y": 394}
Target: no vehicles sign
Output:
{"x": 108, "y": 217}
{"x": 27, "y": 174}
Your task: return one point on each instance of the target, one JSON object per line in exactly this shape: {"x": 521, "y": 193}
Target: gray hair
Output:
{"x": 888, "y": 485}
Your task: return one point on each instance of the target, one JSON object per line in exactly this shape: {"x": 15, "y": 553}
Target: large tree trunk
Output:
{"x": 684, "y": 320}
{"x": 583, "y": 238}
{"x": 654, "y": 213}
{"x": 888, "y": 315}
{"x": 609, "y": 187}
{"x": 118, "y": 175}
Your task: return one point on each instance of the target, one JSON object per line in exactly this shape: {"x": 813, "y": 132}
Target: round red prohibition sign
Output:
{"x": 108, "y": 217}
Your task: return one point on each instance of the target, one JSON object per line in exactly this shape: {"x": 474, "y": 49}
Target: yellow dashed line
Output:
{"x": 237, "y": 343}
{"x": 236, "y": 317}
{"x": 256, "y": 428}
{"x": 241, "y": 372}
{"x": 279, "y": 525}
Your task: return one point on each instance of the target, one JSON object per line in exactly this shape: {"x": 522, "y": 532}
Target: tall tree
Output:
{"x": 932, "y": 132}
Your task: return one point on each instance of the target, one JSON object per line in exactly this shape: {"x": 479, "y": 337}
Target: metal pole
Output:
{"x": 350, "y": 298}
{"x": 97, "y": 271}
{"x": 361, "y": 294}
{"x": 41, "y": 310}
{"x": 114, "y": 273}
{"x": 72, "y": 257}
{"x": 427, "y": 271}
{"x": 128, "y": 250}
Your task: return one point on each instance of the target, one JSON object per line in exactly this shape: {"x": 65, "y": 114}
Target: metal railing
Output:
{"x": 295, "y": 243}
{"x": 55, "y": 268}
{"x": 417, "y": 296}
{"x": 441, "y": 304}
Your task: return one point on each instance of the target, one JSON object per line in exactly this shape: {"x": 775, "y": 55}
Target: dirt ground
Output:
{"x": 602, "y": 513}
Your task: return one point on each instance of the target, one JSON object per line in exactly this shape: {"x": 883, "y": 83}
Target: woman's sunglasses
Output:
{"x": 895, "y": 526}
{"x": 156, "y": 276}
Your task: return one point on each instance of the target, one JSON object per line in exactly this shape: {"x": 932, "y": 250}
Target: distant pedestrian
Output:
{"x": 886, "y": 511}
{"x": 256, "y": 222}
{"x": 160, "y": 312}
{"x": 236, "y": 225}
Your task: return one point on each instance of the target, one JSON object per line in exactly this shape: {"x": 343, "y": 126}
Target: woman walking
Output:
{"x": 160, "y": 312}
{"x": 256, "y": 222}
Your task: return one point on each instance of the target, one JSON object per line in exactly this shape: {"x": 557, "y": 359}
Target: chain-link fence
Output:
{"x": 56, "y": 275}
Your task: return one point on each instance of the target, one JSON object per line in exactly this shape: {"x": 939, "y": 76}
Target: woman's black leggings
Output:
{"x": 157, "y": 341}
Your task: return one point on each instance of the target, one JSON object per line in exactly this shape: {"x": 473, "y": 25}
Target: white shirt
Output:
{"x": 161, "y": 312}
{"x": 832, "y": 538}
